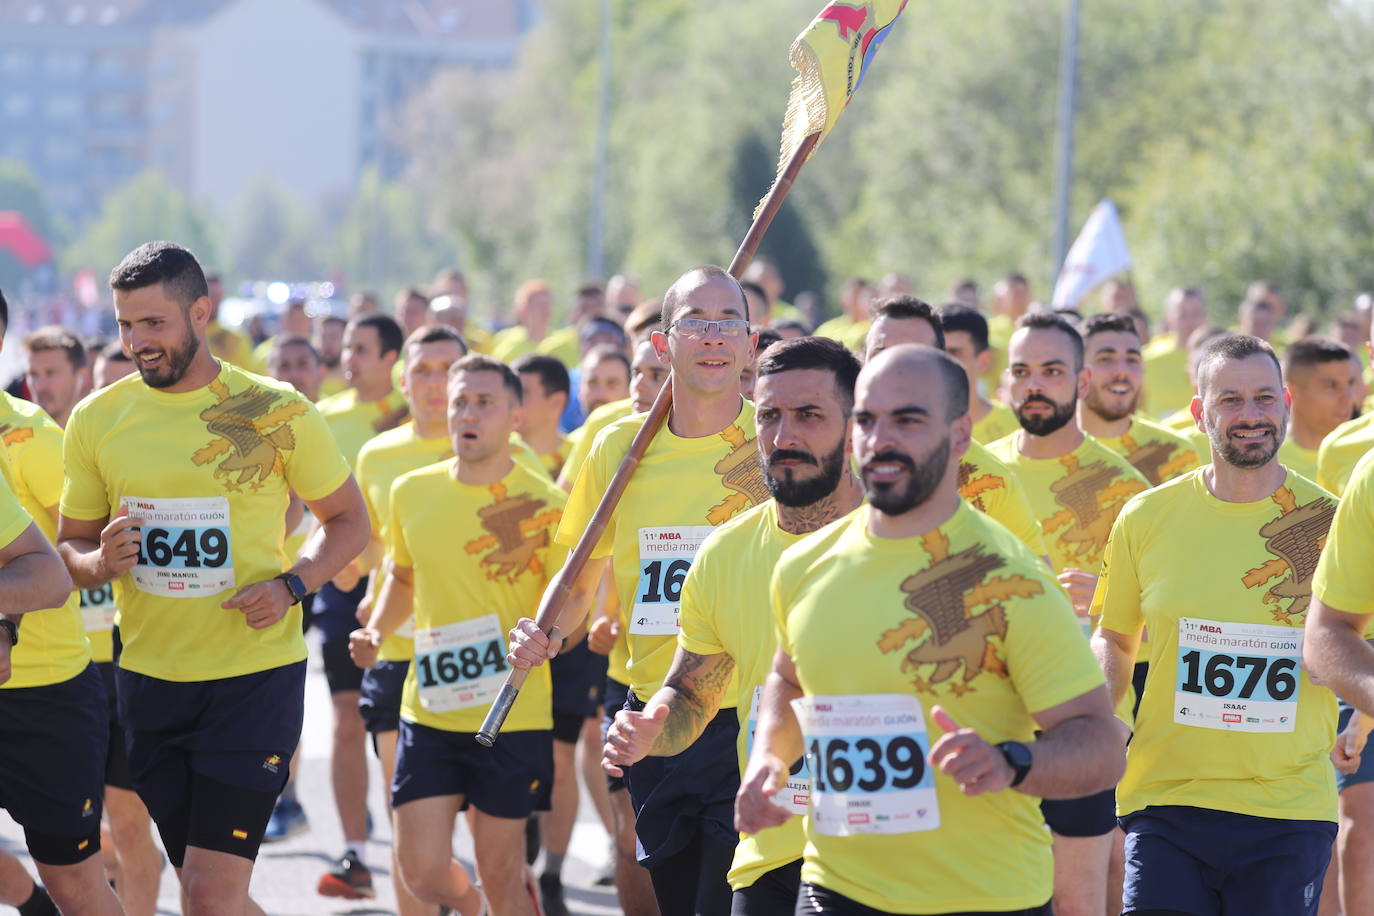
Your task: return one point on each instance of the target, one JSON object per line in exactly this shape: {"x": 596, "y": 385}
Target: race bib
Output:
{"x": 1237, "y": 676}
{"x": 665, "y": 555}
{"x": 460, "y": 665}
{"x": 98, "y": 608}
{"x": 185, "y": 551}
{"x": 867, "y": 756}
{"x": 797, "y": 793}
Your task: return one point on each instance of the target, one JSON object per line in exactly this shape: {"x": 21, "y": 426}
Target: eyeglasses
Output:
{"x": 700, "y": 327}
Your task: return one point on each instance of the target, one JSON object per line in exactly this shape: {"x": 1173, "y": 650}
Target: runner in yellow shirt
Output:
{"x": 647, "y": 376}
{"x": 1109, "y": 413}
{"x": 966, "y": 339}
{"x": 228, "y": 344}
{"x": 921, "y": 647}
{"x": 1229, "y": 799}
{"x": 533, "y": 309}
{"x": 1166, "y": 356}
{"x": 547, "y": 389}
{"x": 988, "y": 484}
{"x": 502, "y": 515}
{"x": 176, "y": 490}
{"x": 851, "y": 325}
{"x": 1323, "y": 379}
{"x": 700, "y": 471}
{"x": 805, "y": 396}
{"x": 1076, "y": 487}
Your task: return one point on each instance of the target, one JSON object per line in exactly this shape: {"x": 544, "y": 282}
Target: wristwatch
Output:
{"x": 12, "y": 628}
{"x": 295, "y": 585}
{"x": 1018, "y": 757}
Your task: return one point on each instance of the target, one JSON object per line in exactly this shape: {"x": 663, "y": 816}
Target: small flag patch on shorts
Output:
{"x": 240, "y": 834}
{"x": 82, "y": 845}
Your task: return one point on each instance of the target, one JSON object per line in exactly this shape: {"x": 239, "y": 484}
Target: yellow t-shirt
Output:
{"x": 1166, "y": 376}
{"x": 1000, "y": 329}
{"x": 552, "y": 462}
{"x": 1296, "y": 458}
{"x": 481, "y": 557}
{"x": 853, "y": 334}
{"x": 1341, "y": 450}
{"x": 353, "y": 422}
{"x": 992, "y": 488}
{"x": 230, "y": 345}
{"x": 725, "y": 609}
{"x": 579, "y": 442}
{"x": 1157, "y": 452}
{"x": 509, "y": 344}
{"x": 964, "y": 617}
{"x": 1076, "y": 497}
{"x": 1342, "y": 577}
{"x": 563, "y": 345}
{"x": 681, "y": 490}
{"x": 1219, "y": 726}
{"x": 998, "y": 422}
{"x": 187, "y": 460}
{"x": 54, "y": 647}
{"x": 382, "y": 460}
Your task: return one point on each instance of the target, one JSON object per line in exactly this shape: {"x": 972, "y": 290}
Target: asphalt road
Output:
{"x": 286, "y": 873}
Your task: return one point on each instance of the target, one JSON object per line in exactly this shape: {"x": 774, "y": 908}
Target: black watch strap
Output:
{"x": 295, "y": 585}
{"x": 10, "y": 628}
{"x": 1018, "y": 757}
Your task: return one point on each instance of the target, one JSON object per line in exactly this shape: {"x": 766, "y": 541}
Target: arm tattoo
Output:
{"x": 698, "y": 683}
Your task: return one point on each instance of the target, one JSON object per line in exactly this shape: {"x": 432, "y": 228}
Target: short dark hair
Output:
{"x": 553, "y": 375}
{"x": 1055, "y": 321}
{"x": 480, "y": 362}
{"x": 767, "y": 337}
{"x": 710, "y": 272}
{"x": 814, "y": 353}
{"x": 1109, "y": 323}
{"x": 113, "y": 352}
{"x": 282, "y": 341}
{"x": 792, "y": 324}
{"x": 1230, "y": 347}
{"x": 605, "y": 353}
{"x": 389, "y": 334}
{"x": 749, "y": 286}
{"x": 1313, "y": 351}
{"x": 600, "y": 324}
{"x": 434, "y": 333}
{"x": 903, "y": 308}
{"x": 57, "y": 338}
{"x": 959, "y": 317}
{"x": 168, "y": 263}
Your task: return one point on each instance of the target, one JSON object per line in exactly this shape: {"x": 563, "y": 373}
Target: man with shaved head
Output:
{"x": 941, "y": 685}
{"x": 700, "y": 471}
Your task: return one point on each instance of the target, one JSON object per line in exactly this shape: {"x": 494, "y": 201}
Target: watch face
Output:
{"x": 1018, "y": 755}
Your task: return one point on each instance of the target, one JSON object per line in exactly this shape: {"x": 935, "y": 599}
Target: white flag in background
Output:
{"x": 1098, "y": 254}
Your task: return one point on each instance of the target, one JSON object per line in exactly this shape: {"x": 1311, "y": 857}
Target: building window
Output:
{"x": 65, "y": 64}
{"x": 61, "y": 150}
{"x": 15, "y": 62}
{"x": 16, "y": 104}
{"x": 64, "y": 107}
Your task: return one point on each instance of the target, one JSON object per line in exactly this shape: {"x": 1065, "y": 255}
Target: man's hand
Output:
{"x": 631, "y": 737}
{"x": 603, "y": 634}
{"x": 348, "y": 577}
{"x": 1080, "y": 584}
{"x": 5, "y": 650}
{"x": 531, "y": 646}
{"x": 262, "y": 603}
{"x": 754, "y": 807}
{"x": 1345, "y": 754}
{"x": 964, "y": 756}
{"x": 364, "y": 610}
{"x": 363, "y": 645}
{"x": 119, "y": 545}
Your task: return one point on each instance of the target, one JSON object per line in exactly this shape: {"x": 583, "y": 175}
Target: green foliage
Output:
{"x": 21, "y": 191}
{"x": 146, "y": 208}
{"x": 383, "y": 242}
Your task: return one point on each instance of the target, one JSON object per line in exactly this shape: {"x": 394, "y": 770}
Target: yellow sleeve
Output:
{"x": 316, "y": 467}
{"x": 698, "y": 633}
{"x": 14, "y": 521}
{"x": 363, "y": 474}
{"x": 579, "y": 444}
{"x": 591, "y": 483}
{"x": 1342, "y": 578}
{"x": 1047, "y": 657}
{"x": 41, "y": 465}
{"x": 83, "y": 491}
{"x": 1009, "y": 505}
{"x": 396, "y": 532}
{"x": 1325, "y": 478}
{"x": 1117, "y": 598}
{"x": 781, "y": 601}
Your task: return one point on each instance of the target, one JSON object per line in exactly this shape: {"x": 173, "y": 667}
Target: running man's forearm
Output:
{"x": 1334, "y": 650}
{"x": 1079, "y": 756}
{"x": 693, "y": 691}
{"x": 1116, "y": 654}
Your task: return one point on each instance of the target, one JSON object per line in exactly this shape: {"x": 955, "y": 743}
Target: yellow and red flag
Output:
{"x": 831, "y": 58}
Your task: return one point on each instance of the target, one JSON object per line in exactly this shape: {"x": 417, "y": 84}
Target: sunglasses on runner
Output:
{"x": 700, "y": 327}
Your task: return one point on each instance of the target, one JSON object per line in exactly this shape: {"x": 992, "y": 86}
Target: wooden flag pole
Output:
{"x": 561, "y": 588}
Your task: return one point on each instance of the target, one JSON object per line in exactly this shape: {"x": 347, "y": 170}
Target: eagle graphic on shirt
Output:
{"x": 739, "y": 471}
{"x": 516, "y": 529}
{"x": 251, "y": 431}
{"x": 954, "y": 641}
{"x": 1091, "y": 496}
{"x": 1158, "y": 460}
{"x": 1295, "y": 538}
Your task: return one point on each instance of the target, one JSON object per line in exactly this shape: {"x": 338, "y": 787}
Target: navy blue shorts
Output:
{"x": 240, "y": 731}
{"x": 513, "y": 778}
{"x": 614, "y": 699}
{"x": 677, "y": 798}
{"x": 117, "y": 757}
{"x": 579, "y": 681}
{"x": 381, "y": 700}
{"x": 1091, "y": 815}
{"x": 53, "y": 741}
{"x": 335, "y": 615}
{"x": 1365, "y": 773}
{"x": 1209, "y": 863}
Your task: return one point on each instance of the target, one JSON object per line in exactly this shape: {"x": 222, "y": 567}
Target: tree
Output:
{"x": 383, "y": 242}
{"x": 144, "y": 209}
{"x": 20, "y": 191}
{"x": 272, "y": 237}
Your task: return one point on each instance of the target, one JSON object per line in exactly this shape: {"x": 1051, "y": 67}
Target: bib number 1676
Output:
{"x": 1241, "y": 676}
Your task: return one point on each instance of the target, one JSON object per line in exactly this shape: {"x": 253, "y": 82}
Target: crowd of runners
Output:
{"x": 969, "y": 609}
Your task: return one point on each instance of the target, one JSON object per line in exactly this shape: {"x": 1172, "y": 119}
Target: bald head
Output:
{"x": 939, "y": 377}
{"x": 695, "y": 279}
